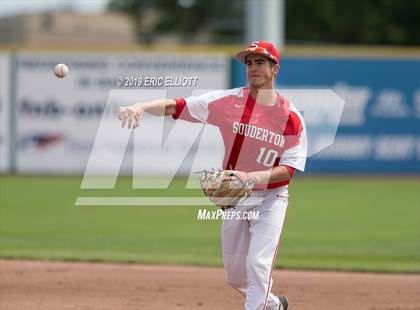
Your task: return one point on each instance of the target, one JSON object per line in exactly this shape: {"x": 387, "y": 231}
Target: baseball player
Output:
{"x": 265, "y": 141}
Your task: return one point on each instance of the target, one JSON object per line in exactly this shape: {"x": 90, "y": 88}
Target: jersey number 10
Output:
{"x": 269, "y": 157}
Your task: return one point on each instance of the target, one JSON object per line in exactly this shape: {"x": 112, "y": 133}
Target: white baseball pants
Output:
{"x": 250, "y": 247}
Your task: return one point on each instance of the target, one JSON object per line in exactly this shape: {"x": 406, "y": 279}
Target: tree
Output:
{"x": 356, "y": 21}
{"x": 185, "y": 17}
{"x": 337, "y": 21}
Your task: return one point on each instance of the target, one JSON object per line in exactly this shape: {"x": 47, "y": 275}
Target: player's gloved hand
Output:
{"x": 227, "y": 188}
{"x": 130, "y": 116}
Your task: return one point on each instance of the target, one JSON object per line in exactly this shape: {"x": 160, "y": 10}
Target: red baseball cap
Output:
{"x": 263, "y": 48}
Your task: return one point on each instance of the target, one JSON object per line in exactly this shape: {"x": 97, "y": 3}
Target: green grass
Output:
{"x": 332, "y": 223}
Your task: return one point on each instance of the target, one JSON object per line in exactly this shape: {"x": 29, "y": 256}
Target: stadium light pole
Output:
{"x": 264, "y": 20}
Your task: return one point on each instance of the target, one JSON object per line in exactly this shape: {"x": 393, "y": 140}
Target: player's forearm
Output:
{"x": 157, "y": 107}
{"x": 276, "y": 174}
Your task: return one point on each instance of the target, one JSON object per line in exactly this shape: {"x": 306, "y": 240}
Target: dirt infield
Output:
{"x": 27, "y": 285}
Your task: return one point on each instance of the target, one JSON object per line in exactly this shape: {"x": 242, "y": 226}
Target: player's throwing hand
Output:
{"x": 130, "y": 116}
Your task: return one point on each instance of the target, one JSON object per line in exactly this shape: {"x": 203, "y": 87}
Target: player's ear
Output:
{"x": 276, "y": 69}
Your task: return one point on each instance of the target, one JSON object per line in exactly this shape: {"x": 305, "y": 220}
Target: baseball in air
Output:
{"x": 61, "y": 70}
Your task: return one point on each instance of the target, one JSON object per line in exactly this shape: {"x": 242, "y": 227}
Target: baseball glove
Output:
{"x": 226, "y": 188}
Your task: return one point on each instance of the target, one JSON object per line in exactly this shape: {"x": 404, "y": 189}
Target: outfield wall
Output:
{"x": 48, "y": 125}
{"x": 57, "y": 120}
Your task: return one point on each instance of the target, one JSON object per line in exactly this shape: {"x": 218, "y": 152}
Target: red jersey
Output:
{"x": 256, "y": 137}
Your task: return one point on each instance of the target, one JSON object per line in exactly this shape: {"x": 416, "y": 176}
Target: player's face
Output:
{"x": 259, "y": 71}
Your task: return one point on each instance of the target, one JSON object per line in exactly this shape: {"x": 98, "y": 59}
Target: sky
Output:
{"x": 16, "y": 7}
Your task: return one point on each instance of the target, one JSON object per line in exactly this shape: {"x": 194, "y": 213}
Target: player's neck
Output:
{"x": 263, "y": 96}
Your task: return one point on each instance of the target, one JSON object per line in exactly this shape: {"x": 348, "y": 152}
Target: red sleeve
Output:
{"x": 181, "y": 111}
{"x": 282, "y": 183}
{"x": 290, "y": 169}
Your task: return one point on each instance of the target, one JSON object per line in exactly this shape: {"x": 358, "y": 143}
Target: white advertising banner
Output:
{"x": 59, "y": 119}
{"x": 4, "y": 111}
